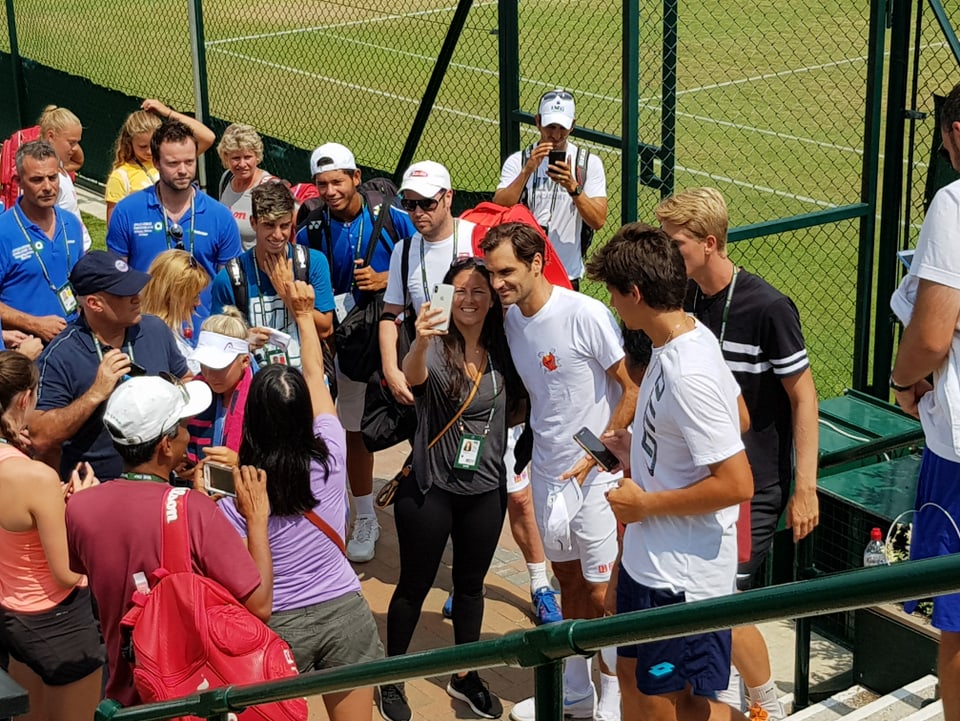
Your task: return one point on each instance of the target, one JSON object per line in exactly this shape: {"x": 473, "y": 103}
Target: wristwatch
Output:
{"x": 574, "y": 193}
{"x": 896, "y": 386}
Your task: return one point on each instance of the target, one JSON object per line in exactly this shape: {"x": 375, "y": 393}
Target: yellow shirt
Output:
{"x": 129, "y": 178}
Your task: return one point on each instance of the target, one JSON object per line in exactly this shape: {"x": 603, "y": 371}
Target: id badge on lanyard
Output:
{"x": 468, "y": 452}
{"x": 67, "y": 298}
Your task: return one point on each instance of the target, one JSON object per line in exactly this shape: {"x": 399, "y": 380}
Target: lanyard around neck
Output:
{"x": 58, "y": 229}
{"x": 99, "y": 348}
{"x": 726, "y": 305}
{"x": 166, "y": 221}
{"x": 144, "y": 477}
{"x": 423, "y": 264}
{"x": 488, "y": 360}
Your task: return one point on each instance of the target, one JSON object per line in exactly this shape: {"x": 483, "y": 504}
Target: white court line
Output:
{"x": 353, "y": 86}
{"x": 348, "y": 23}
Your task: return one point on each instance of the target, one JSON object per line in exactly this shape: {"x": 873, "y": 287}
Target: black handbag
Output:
{"x": 386, "y": 422}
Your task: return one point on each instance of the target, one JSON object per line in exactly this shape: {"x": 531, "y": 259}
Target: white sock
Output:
{"x": 363, "y": 505}
{"x": 576, "y": 677}
{"x": 766, "y": 696}
{"x": 732, "y": 695}
{"x": 538, "y": 575}
{"x": 608, "y": 708}
{"x": 609, "y": 657}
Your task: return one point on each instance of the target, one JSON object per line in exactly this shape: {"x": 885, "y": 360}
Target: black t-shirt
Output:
{"x": 435, "y": 408}
{"x": 762, "y": 344}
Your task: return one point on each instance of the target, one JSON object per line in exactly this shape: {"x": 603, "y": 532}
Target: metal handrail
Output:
{"x": 547, "y": 645}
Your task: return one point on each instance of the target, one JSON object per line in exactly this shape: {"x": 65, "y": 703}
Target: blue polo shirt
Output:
{"x": 265, "y": 307}
{"x": 26, "y": 252}
{"x": 68, "y": 367}
{"x": 350, "y": 242}
{"x": 137, "y": 233}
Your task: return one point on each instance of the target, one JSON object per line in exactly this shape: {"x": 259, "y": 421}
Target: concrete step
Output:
{"x": 913, "y": 701}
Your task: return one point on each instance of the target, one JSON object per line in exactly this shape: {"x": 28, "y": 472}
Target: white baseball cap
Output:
{"x": 331, "y": 156}
{"x": 426, "y": 178}
{"x": 557, "y": 106}
{"x": 216, "y": 351}
{"x": 145, "y": 408}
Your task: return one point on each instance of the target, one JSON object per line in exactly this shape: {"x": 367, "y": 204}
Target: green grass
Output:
{"x": 97, "y": 229}
{"x": 770, "y": 108}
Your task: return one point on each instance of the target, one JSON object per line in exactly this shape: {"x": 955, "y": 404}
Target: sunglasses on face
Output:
{"x": 554, "y": 94}
{"x": 425, "y": 204}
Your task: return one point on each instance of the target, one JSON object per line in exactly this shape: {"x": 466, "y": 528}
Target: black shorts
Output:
{"x": 766, "y": 507}
{"x": 61, "y": 645}
{"x": 701, "y": 660}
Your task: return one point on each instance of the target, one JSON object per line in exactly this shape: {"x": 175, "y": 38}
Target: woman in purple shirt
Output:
{"x": 291, "y": 430}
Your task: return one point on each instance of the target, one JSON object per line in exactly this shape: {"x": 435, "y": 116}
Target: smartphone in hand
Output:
{"x": 218, "y": 478}
{"x": 442, "y": 299}
{"x": 557, "y": 156}
{"x": 595, "y": 449}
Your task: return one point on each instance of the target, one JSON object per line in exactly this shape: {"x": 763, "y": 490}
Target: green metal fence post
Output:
{"x": 508, "y": 44}
{"x": 548, "y": 691}
{"x": 868, "y": 194}
{"x": 433, "y": 86}
{"x": 19, "y": 85}
{"x": 628, "y": 110}
{"x": 201, "y": 94}
{"x": 668, "y": 115}
{"x": 891, "y": 204}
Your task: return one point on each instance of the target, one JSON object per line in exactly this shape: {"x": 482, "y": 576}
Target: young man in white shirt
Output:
{"x": 688, "y": 473}
{"x": 567, "y": 197}
{"x": 568, "y": 351}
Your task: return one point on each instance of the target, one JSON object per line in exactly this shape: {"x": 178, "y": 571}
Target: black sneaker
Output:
{"x": 393, "y": 703}
{"x": 472, "y": 689}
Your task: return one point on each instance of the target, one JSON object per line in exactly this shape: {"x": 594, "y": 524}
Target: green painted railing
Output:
{"x": 545, "y": 647}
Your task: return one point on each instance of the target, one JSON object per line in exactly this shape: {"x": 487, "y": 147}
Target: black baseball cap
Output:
{"x": 103, "y": 271}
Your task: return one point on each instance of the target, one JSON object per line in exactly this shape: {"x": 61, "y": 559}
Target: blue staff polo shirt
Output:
{"x": 23, "y": 285}
{"x": 137, "y": 233}
{"x": 68, "y": 367}
{"x": 351, "y": 241}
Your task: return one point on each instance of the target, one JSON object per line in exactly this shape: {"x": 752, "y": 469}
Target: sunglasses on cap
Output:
{"x": 425, "y": 204}
{"x": 176, "y": 383}
{"x": 554, "y": 94}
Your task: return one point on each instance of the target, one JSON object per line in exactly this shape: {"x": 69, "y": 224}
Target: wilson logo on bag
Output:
{"x": 189, "y": 634}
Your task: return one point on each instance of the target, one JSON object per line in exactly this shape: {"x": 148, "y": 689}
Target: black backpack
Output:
{"x": 580, "y": 173}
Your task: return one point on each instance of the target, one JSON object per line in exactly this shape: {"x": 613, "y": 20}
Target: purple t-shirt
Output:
{"x": 307, "y": 567}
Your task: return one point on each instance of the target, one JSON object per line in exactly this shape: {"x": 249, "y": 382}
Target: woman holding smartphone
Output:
{"x": 466, "y": 392}
{"x": 291, "y": 431}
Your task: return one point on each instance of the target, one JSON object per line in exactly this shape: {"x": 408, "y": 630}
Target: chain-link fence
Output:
{"x": 770, "y": 104}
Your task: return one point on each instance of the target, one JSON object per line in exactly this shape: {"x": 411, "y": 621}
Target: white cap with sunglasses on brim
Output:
{"x": 217, "y": 351}
{"x": 426, "y": 178}
{"x": 557, "y": 107}
{"x": 146, "y": 408}
{"x": 331, "y": 156}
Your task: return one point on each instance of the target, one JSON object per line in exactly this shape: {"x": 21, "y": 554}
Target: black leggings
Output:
{"x": 424, "y": 522}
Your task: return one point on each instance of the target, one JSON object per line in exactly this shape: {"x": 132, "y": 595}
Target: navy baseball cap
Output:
{"x": 103, "y": 271}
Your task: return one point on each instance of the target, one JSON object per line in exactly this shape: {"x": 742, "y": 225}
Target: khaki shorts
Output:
{"x": 350, "y": 395}
{"x": 333, "y": 633}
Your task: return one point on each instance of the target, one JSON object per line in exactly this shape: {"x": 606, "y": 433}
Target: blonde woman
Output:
{"x": 46, "y": 618}
{"x": 173, "y": 293}
{"x": 241, "y": 152}
{"x": 62, "y": 129}
{"x": 132, "y": 162}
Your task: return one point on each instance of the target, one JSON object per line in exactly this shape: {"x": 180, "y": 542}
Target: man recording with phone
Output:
{"x": 109, "y": 342}
{"x": 564, "y": 186}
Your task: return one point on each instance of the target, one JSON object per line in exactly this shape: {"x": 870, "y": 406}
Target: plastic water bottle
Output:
{"x": 875, "y": 554}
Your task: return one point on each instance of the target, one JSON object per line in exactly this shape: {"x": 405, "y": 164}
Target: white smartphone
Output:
{"x": 279, "y": 338}
{"x": 218, "y": 478}
{"x": 442, "y": 299}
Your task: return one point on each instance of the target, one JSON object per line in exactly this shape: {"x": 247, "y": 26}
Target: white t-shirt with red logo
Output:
{"x": 562, "y": 353}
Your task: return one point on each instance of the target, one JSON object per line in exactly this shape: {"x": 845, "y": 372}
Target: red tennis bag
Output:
{"x": 9, "y": 187}
{"x": 487, "y": 215}
{"x": 189, "y": 634}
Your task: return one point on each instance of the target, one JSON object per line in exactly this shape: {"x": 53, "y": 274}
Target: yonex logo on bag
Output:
{"x": 171, "y": 510}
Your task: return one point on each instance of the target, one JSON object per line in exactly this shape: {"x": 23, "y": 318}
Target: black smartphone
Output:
{"x": 136, "y": 370}
{"x": 595, "y": 448}
{"x": 557, "y": 156}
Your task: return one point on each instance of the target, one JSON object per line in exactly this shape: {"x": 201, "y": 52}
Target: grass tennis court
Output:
{"x": 770, "y": 102}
